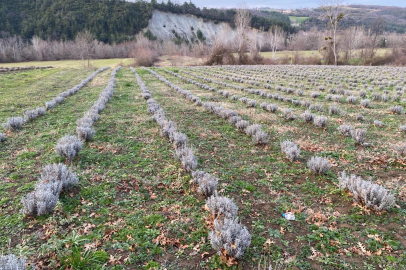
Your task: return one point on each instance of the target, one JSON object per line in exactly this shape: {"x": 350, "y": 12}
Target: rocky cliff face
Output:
{"x": 176, "y": 26}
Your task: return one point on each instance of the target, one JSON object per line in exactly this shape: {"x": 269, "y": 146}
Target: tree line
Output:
{"x": 110, "y": 21}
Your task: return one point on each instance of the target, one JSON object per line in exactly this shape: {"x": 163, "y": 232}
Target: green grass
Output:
{"x": 97, "y": 63}
{"x": 133, "y": 192}
{"x": 297, "y": 20}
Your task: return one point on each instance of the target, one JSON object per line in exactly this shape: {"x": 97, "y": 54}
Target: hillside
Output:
{"x": 394, "y": 18}
{"x": 111, "y": 21}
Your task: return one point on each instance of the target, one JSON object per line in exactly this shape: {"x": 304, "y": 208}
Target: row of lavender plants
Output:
{"x": 254, "y": 130}
{"x": 359, "y": 135}
{"x": 373, "y": 195}
{"x": 16, "y": 122}
{"x": 57, "y": 177}
{"x": 229, "y": 237}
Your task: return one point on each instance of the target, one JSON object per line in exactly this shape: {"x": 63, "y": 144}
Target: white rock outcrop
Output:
{"x": 164, "y": 24}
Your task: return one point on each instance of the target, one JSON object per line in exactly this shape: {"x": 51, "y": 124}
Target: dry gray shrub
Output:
{"x": 320, "y": 121}
{"x": 179, "y": 140}
{"x": 12, "y": 262}
{"x": 234, "y": 119}
{"x": 85, "y": 133}
{"x": 345, "y": 130}
{"x": 366, "y": 103}
{"x": 42, "y": 200}
{"x": 58, "y": 173}
{"x": 168, "y": 129}
{"x": 146, "y": 95}
{"x": 252, "y": 129}
{"x": 50, "y": 104}
{"x": 207, "y": 185}
{"x": 359, "y": 117}
{"x": 359, "y": 135}
{"x": 30, "y": 115}
{"x": 288, "y": 114}
{"x": 260, "y": 137}
{"x": 231, "y": 236}
{"x": 13, "y": 123}
{"x": 244, "y": 100}
{"x": 222, "y": 206}
{"x": 400, "y": 149}
{"x": 396, "y": 109}
{"x": 2, "y": 137}
{"x": 315, "y": 95}
{"x": 307, "y": 116}
{"x": 187, "y": 158}
{"x": 318, "y": 165}
{"x": 378, "y": 123}
{"x": 68, "y": 147}
{"x": 334, "y": 110}
{"x": 291, "y": 150}
{"x": 272, "y": 108}
{"x": 242, "y": 124}
{"x": 372, "y": 195}
{"x": 351, "y": 99}
{"x": 252, "y": 103}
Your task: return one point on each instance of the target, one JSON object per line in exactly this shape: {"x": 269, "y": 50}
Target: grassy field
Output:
{"x": 136, "y": 208}
{"x": 297, "y": 20}
{"x": 283, "y": 54}
{"x": 98, "y": 63}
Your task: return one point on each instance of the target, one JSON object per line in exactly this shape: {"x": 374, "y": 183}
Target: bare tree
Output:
{"x": 351, "y": 40}
{"x": 84, "y": 43}
{"x": 242, "y": 24}
{"x": 334, "y": 12}
{"x": 276, "y": 37}
{"x": 372, "y": 38}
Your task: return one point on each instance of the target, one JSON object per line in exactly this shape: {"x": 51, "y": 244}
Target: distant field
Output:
{"x": 99, "y": 63}
{"x": 298, "y": 20}
{"x": 282, "y": 54}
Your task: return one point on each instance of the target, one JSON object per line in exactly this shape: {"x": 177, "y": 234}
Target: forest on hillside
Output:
{"x": 110, "y": 21}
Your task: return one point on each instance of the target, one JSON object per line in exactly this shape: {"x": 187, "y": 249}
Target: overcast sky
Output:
{"x": 286, "y": 4}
